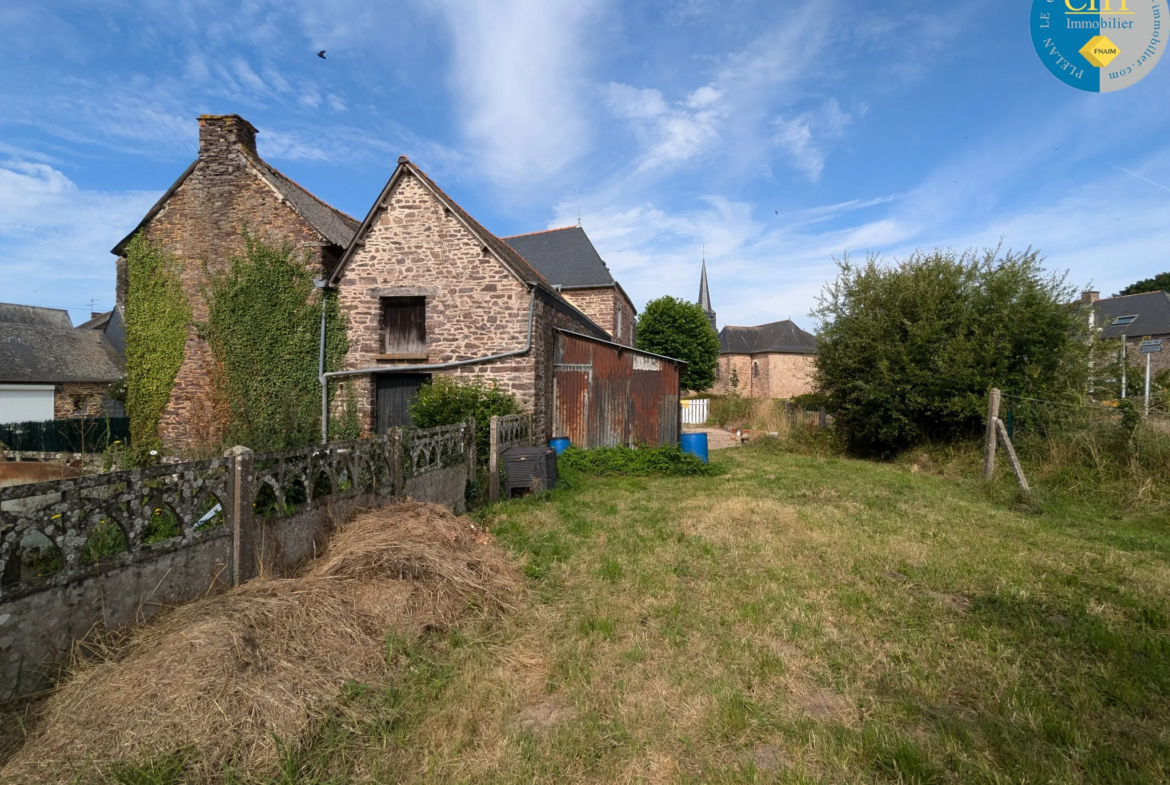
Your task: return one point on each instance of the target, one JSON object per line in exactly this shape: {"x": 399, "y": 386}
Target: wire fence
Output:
{"x": 1107, "y": 447}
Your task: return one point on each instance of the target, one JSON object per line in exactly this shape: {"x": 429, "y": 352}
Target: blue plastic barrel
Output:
{"x": 695, "y": 444}
{"x": 560, "y": 444}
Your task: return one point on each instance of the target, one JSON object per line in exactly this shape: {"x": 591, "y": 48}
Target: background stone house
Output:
{"x": 1132, "y": 318}
{"x": 200, "y": 220}
{"x": 50, "y": 370}
{"x": 427, "y": 290}
{"x": 566, "y": 258}
{"x": 774, "y": 360}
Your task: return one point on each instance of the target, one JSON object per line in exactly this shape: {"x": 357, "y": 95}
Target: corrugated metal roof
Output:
{"x": 1152, "y": 310}
{"x": 565, "y": 257}
{"x": 772, "y": 338}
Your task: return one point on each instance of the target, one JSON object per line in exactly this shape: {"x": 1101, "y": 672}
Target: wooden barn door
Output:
{"x": 396, "y": 392}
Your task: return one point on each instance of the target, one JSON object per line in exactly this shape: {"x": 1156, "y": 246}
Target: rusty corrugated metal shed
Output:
{"x": 609, "y": 395}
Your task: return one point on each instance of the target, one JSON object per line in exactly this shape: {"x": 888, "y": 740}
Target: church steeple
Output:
{"x": 705, "y": 295}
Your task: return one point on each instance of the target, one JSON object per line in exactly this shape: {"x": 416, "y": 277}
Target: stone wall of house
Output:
{"x": 78, "y": 399}
{"x": 609, "y": 308}
{"x": 475, "y": 306}
{"x": 766, "y": 375}
{"x": 201, "y": 227}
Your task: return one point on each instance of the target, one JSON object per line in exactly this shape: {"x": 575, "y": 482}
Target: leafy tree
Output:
{"x": 679, "y": 329}
{"x": 1157, "y": 283}
{"x": 908, "y": 351}
{"x": 447, "y": 401}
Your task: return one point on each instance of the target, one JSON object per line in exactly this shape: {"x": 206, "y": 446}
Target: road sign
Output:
{"x": 1151, "y": 346}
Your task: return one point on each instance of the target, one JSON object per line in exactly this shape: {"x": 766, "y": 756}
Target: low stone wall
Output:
{"x": 79, "y": 553}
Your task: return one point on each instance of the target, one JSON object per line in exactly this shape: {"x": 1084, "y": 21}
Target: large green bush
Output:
{"x": 908, "y": 351}
{"x": 447, "y": 401}
{"x": 264, "y": 326}
{"x": 678, "y": 329}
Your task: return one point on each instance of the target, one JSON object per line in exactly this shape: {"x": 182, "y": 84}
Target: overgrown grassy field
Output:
{"x": 790, "y": 619}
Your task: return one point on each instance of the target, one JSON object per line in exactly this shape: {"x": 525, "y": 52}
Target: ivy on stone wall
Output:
{"x": 264, "y": 326}
{"x": 157, "y": 319}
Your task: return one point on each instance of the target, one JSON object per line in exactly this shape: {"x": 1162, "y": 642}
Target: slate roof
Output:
{"x": 1152, "y": 310}
{"x": 35, "y": 353}
{"x": 772, "y": 338}
{"x": 332, "y": 224}
{"x": 565, "y": 257}
{"x": 54, "y": 318}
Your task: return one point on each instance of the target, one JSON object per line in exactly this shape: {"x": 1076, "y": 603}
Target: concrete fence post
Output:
{"x": 241, "y": 485}
{"x": 989, "y": 438}
{"x": 469, "y": 448}
{"x": 494, "y": 459}
{"x": 397, "y": 471}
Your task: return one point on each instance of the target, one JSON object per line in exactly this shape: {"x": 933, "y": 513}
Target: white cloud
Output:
{"x": 246, "y": 75}
{"x": 55, "y": 238}
{"x": 804, "y": 136}
{"x": 518, "y": 72}
{"x": 335, "y": 103}
{"x": 669, "y": 135}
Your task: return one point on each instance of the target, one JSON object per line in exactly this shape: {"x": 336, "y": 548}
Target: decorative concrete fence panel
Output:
{"x": 108, "y": 550}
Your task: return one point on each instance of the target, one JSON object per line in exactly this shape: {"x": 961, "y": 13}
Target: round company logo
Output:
{"x": 1099, "y": 45}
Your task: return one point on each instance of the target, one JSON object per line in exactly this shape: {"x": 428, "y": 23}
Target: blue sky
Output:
{"x": 777, "y": 134}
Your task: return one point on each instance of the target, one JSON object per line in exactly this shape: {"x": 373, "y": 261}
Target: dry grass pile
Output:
{"x": 222, "y": 678}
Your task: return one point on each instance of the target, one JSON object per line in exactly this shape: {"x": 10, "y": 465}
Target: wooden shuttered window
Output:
{"x": 404, "y": 325}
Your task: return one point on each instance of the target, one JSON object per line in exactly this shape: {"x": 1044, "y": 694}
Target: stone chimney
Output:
{"x": 218, "y": 134}
{"x": 1088, "y": 298}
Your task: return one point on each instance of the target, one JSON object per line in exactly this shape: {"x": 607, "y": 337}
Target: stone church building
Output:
{"x": 774, "y": 360}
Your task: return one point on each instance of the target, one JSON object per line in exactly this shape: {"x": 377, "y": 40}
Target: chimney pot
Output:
{"x": 219, "y": 133}
{"x": 1090, "y": 297}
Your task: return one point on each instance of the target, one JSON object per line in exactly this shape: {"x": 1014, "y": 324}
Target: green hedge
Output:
{"x": 664, "y": 461}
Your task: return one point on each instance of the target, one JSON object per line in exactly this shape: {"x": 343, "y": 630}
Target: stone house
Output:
{"x": 1132, "y": 318}
{"x": 50, "y": 370}
{"x": 566, "y": 258}
{"x": 200, "y": 220}
{"x": 774, "y": 360}
{"x": 428, "y": 290}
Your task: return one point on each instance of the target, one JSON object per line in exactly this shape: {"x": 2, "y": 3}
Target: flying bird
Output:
{"x": 321, "y": 54}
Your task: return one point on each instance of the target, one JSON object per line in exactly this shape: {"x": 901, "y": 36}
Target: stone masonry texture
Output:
{"x": 88, "y": 394}
{"x": 202, "y": 226}
{"x": 767, "y": 375}
{"x": 476, "y": 306}
{"x": 603, "y": 305}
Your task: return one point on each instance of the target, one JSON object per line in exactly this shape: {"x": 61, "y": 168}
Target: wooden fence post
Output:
{"x": 241, "y": 486}
{"x": 989, "y": 439}
{"x": 493, "y": 459}
{"x": 1017, "y": 469}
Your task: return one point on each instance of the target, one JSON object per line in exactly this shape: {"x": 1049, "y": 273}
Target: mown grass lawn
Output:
{"x": 792, "y": 619}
